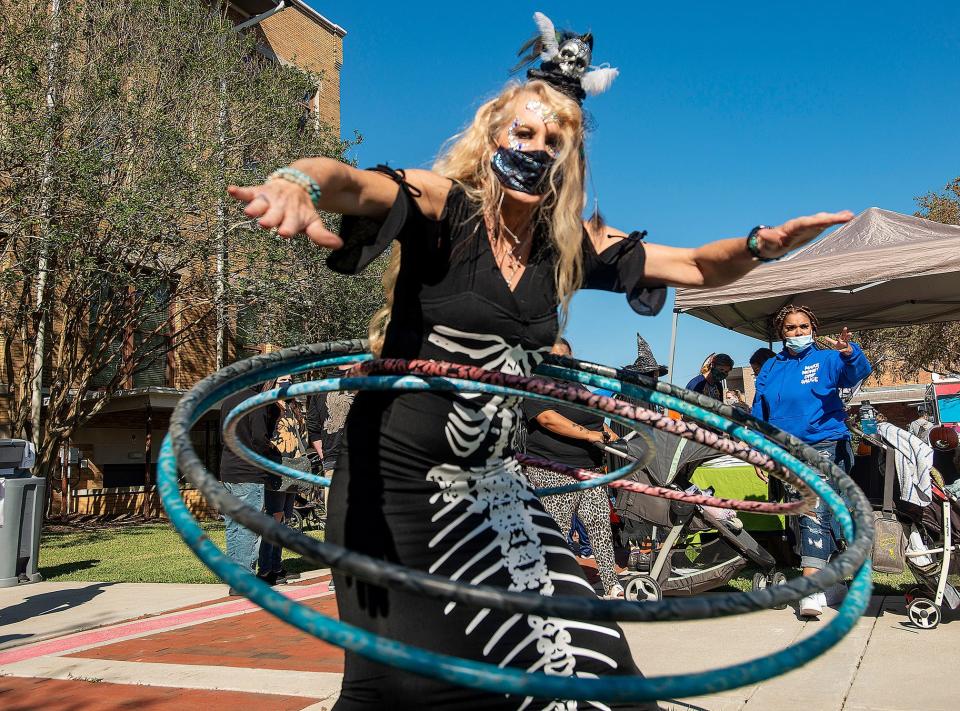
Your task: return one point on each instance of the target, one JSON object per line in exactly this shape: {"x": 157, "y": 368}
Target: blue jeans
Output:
{"x": 583, "y": 548}
{"x": 270, "y": 557}
{"x": 242, "y": 543}
{"x": 820, "y": 534}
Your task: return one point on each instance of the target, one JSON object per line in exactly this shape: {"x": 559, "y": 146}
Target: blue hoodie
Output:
{"x": 798, "y": 392}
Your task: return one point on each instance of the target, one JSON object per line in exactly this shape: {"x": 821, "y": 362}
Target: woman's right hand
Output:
{"x": 761, "y": 475}
{"x": 285, "y": 208}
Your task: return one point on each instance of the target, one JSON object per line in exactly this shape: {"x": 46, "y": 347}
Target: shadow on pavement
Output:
{"x": 4, "y": 638}
{"x": 50, "y": 602}
{"x": 53, "y": 571}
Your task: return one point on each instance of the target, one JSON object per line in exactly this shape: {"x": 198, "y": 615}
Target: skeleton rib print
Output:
{"x": 490, "y": 509}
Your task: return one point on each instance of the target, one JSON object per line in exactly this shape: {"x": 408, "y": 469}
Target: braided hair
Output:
{"x": 793, "y": 309}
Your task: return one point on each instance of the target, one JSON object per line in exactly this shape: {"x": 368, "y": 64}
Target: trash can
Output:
{"x": 21, "y": 504}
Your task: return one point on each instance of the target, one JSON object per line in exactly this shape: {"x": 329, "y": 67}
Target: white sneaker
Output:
{"x": 811, "y": 605}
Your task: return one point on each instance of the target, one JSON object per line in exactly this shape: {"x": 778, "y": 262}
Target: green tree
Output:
{"x": 932, "y": 347}
{"x": 120, "y": 125}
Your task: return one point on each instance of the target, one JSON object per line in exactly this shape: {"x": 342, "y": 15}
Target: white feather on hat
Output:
{"x": 548, "y": 35}
{"x": 598, "y": 80}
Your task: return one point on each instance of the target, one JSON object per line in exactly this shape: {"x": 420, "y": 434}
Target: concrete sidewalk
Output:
{"x": 186, "y": 645}
{"x": 31, "y": 613}
{"x": 884, "y": 664}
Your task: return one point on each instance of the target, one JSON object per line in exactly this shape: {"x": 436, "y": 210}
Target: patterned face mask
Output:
{"x": 522, "y": 170}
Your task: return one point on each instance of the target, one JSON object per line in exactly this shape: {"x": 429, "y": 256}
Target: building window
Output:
{"x": 151, "y": 337}
{"x": 138, "y": 351}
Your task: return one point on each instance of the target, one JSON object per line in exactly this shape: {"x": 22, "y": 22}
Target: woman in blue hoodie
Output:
{"x": 798, "y": 391}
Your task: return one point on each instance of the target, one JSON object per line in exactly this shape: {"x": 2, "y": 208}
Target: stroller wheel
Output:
{"x": 760, "y": 582}
{"x": 642, "y": 588}
{"x": 923, "y": 613}
{"x": 775, "y": 579}
{"x": 297, "y": 521}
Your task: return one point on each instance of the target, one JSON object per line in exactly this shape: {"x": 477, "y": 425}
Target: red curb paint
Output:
{"x": 70, "y": 643}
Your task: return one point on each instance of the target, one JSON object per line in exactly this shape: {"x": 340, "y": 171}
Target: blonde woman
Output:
{"x": 488, "y": 249}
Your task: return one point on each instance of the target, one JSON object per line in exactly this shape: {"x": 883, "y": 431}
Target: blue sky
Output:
{"x": 725, "y": 115}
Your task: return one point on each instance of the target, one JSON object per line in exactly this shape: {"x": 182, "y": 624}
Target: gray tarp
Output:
{"x": 879, "y": 270}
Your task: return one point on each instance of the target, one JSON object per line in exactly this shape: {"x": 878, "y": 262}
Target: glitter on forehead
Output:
{"x": 545, "y": 113}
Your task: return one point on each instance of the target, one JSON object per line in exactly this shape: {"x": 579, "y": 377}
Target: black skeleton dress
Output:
{"x": 426, "y": 479}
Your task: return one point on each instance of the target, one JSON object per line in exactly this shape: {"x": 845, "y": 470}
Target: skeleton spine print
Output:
{"x": 491, "y": 505}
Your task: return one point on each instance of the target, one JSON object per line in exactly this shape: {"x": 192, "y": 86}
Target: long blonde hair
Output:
{"x": 466, "y": 160}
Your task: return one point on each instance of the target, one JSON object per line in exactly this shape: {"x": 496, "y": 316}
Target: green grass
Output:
{"x": 883, "y": 584}
{"x": 154, "y": 553}
{"x": 140, "y": 553}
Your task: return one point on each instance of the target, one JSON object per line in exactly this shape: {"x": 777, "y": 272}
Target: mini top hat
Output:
{"x": 564, "y": 61}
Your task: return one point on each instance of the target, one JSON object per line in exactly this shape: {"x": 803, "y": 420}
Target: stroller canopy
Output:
{"x": 671, "y": 454}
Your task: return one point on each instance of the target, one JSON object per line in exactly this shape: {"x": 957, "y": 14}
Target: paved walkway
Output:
{"x": 101, "y": 647}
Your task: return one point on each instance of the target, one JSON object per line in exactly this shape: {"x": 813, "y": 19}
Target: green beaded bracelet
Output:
{"x": 298, "y": 177}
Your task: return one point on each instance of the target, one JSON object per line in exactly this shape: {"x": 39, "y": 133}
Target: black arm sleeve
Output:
{"x": 263, "y": 425}
{"x": 365, "y": 239}
{"x": 620, "y": 269}
{"x": 316, "y": 414}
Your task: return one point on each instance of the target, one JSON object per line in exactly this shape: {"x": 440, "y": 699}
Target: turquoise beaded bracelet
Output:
{"x": 298, "y": 177}
{"x": 753, "y": 244}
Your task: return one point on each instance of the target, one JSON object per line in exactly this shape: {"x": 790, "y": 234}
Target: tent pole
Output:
{"x": 673, "y": 343}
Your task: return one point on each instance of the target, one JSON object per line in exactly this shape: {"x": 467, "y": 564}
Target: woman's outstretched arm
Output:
{"x": 287, "y": 207}
{"x": 726, "y": 260}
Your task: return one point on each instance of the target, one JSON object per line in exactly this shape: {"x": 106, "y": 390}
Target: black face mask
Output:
{"x": 717, "y": 375}
{"x": 522, "y": 170}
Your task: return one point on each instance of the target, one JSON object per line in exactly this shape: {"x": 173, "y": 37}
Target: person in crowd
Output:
{"x": 759, "y": 357}
{"x": 711, "y": 384}
{"x": 326, "y": 422}
{"x": 326, "y": 425}
{"x": 244, "y": 480}
{"x": 798, "y": 391}
{"x": 563, "y": 434}
{"x": 921, "y": 426}
{"x": 487, "y": 249}
{"x": 736, "y": 399}
{"x": 288, "y": 440}
{"x": 635, "y": 531}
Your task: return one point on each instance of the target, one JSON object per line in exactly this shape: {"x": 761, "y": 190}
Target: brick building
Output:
{"x": 115, "y": 453}
{"x": 299, "y": 35}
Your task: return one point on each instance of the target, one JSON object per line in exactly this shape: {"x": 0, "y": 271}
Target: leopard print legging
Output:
{"x": 592, "y": 507}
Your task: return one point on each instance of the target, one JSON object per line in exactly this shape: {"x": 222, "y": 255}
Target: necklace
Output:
{"x": 515, "y": 268}
{"x": 513, "y": 235}
{"x": 509, "y": 262}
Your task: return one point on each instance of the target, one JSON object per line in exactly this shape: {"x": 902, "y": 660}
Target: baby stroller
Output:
{"x": 923, "y": 536}
{"x": 309, "y": 510}
{"x": 682, "y": 565}
{"x": 930, "y": 557}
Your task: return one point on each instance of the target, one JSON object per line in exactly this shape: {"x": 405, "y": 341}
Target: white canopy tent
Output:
{"x": 881, "y": 269}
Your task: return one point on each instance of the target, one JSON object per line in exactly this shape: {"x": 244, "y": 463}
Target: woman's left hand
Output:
{"x": 777, "y": 241}
{"x": 285, "y": 208}
{"x": 840, "y": 343}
